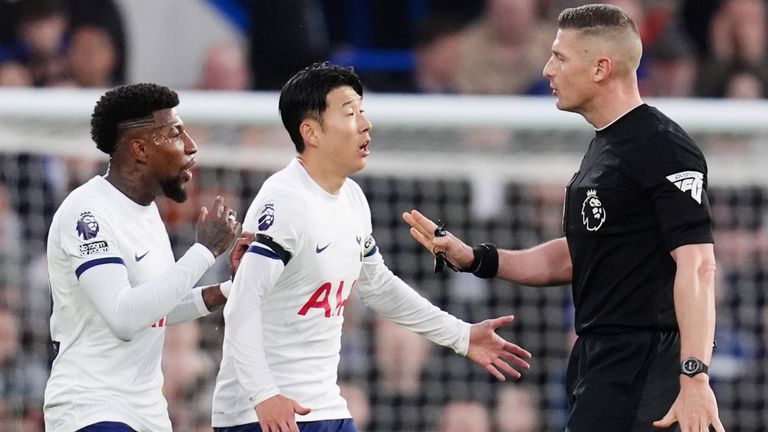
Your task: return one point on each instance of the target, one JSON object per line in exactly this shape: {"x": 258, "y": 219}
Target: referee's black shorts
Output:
{"x": 622, "y": 382}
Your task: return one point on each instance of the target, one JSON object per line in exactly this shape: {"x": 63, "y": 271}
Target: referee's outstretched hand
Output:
{"x": 492, "y": 352}
{"x": 423, "y": 230}
{"x": 695, "y": 408}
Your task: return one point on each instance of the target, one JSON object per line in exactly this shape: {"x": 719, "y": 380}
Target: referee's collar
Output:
{"x": 619, "y": 117}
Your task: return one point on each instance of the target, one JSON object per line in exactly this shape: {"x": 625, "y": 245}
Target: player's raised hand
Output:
{"x": 218, "y": 228}
{"x": 241, "y": 246}
{"x": 278, "y": 414}
{"x": 492, "y": 352}
{"x": 423, "y": 230}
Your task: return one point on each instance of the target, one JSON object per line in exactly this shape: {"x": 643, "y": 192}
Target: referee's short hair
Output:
{"x": 124, "y": 103}
{"x": 304, "y": 95}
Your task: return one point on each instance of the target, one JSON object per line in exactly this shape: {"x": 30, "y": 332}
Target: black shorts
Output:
{"x": 622, "y": 382}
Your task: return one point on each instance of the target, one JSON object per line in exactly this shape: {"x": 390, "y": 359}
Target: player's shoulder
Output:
{"x": 284, "y": 186}
{"x": 90, "y": 196}
{"x": 280, "y": 198}
{"x": 353, "y": 187}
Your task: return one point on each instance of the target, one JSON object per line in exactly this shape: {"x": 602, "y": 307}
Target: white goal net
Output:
{"x": 494, "y": 168}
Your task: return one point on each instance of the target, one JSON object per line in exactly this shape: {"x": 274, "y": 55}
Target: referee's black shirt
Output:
{"x": 640, "y": 193}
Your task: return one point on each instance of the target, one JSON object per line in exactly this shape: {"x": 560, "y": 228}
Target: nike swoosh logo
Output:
{"x": 319, "y": 249}
{"x": 140, "y": 257}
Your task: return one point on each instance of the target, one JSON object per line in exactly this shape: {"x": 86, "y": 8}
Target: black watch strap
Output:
{"x": 693, "y": 366}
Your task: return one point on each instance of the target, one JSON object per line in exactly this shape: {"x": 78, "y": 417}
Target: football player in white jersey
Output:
{"x": 114, "y": 280}
{"x": 313, "y": 245}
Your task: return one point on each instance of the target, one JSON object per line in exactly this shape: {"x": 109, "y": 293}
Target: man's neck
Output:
{"x": 324, "y": 176}
{"x": 611, "y": 105}
{"x": 128, "y": 180}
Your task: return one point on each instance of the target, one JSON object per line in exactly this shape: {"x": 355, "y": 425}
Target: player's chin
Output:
{"x": 360, "y": 164}
{"x": 176, "y": 190}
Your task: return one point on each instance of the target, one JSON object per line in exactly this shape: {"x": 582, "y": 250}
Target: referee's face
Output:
{"x": 569, "y": 72}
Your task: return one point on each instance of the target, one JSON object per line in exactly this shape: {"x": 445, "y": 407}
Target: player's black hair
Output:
{"x": 127, "y": 102}
{"x": 304, "y": 95}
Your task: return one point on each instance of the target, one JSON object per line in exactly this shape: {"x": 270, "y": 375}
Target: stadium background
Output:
{"x": 493, "y": 166}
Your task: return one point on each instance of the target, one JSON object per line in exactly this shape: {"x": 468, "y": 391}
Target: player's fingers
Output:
{"x": 515, "y": 360}
{"x": 248, "y": 236}
{"x": 510, "y": 371}
{"x": 203, "y": 215}
{"x": 501, "y": 321}
{"x": 243, "y": 242}
{"x": 292, "y": 426}
{"x": 517, "y": 350}
{"x": 493, "y": 371}
{"x": 224, "y": 212}
{"x": 218, "y": 206}
{"x": 300, "y": 410}
{"x": 231, "y": 214}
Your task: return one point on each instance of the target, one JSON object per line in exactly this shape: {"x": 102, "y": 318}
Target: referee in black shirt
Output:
{"x": 638, "y": 246}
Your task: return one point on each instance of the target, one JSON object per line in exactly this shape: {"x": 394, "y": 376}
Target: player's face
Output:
{"x": 171, "y": 152}
{"x": 569, "y": 72}
{"x": 344, "y": 135}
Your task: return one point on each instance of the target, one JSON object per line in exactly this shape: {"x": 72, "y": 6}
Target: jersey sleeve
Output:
{"x": 392, "y": 298}
{"x": 277, "y": 217}
{"x": 280, "y": 215}
{"x": 243, "y": 338}
{"x": 673, "y": 172}
{"x": 88, "y": 239}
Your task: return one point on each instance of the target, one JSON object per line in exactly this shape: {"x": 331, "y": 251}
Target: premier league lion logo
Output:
{"x": 592, "y": 211}
{"x": 267, "y": 217}
{"x": 87, "y": 226}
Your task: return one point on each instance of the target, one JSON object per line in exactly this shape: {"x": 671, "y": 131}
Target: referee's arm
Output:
{"x": 695, "y": 406}
{"x": 695, "y": 299}
{"x": 547, "y": 264}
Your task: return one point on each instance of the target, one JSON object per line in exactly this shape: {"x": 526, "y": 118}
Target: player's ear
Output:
{"x": 309, "y": 130}
{"x": 138, "y": 149}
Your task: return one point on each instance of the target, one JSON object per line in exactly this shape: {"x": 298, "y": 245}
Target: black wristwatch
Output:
{"x": 693, "y": 366}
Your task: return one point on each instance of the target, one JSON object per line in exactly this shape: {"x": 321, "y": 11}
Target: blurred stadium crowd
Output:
{"x": 693, "y": 48}
{"x": 706, "y": 48}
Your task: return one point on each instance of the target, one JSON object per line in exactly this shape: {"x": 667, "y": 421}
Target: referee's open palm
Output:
{"x": 493, "y": 352}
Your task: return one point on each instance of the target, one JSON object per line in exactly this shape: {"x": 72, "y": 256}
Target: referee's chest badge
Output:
{"x": 592, "y": 211}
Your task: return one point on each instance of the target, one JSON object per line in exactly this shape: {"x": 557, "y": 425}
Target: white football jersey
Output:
{"x": 283, "y": 334}
{"x": 95, "y": 375}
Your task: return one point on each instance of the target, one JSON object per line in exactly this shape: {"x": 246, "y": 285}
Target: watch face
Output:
{"x": 691, "y": 365}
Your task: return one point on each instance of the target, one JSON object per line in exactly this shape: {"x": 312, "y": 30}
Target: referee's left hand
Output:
{"x": 492, "y": 352}
{"x": 695, "y": 408}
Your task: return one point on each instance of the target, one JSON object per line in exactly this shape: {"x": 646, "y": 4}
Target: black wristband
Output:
{"x": 486, "y": 262}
